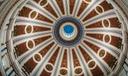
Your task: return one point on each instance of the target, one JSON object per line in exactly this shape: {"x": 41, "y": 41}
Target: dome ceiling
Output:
{"x": 66, "y": 38}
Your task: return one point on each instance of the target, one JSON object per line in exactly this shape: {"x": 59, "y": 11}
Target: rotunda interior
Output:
{"x": 63, "y": 38}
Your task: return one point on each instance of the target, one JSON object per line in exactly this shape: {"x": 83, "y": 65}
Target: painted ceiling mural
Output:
{"x": 63, "y": 38}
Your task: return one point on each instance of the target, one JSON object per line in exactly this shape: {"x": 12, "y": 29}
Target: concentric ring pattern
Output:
{"x": 67, "y": 38}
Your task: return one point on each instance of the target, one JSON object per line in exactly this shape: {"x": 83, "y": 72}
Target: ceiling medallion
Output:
{"x": 68, "y": 31}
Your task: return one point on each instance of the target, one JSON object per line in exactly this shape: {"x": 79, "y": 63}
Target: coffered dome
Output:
{"x": 66, "y": 38}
